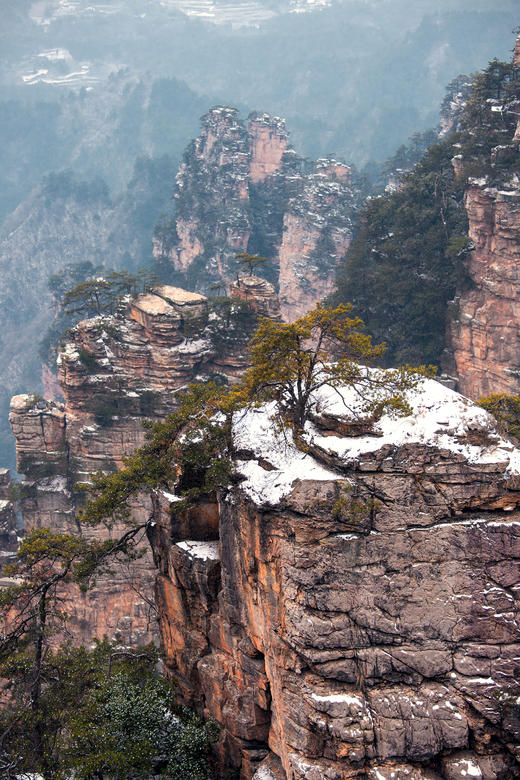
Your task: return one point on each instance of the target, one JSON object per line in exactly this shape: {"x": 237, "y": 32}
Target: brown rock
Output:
{"x": 8, "y": 535}
{"x": 115, "y": 372}
{"x": 239, "y": 187}
{"x": 314, "y": 239}
{"x": 483, "y": 334}
{"x": 268, "y": 141}
{"x": 382, "y": 651}
{"x": 259, "y": 293}
{"x": 516, "y": 55}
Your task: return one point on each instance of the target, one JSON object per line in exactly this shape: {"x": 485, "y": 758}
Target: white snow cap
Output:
{"x": 441, "y": 419}
{"x": 206, "y": 551}
{"x": 256, "y": 430}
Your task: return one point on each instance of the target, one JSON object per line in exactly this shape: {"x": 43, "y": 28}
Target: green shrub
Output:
{"x": 105, "y": 408}
{"x": 506, "y": 410}
{"x": 88, "y": 360}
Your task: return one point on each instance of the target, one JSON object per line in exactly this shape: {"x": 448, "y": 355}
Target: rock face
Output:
{"x": 268, "y": 142}
{"x": 62, "y": 222}
{"x": 485, "y": 333}
{"x": 315, "y": 236}
{"x": 259, "y": 293}
{"x": 245, "y": 190}
{"x": 115, "y": 372}
{"x": 8, "y": 535}
{"x": 356, "y": 614}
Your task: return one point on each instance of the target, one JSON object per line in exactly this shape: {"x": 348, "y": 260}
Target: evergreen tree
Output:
{"x": 506, "y": 410}
{"x": 407, "y": 260}
{"x": 31, "y": 612}
{"x": 327, "y": 346}
{"x": 252, "y": 262}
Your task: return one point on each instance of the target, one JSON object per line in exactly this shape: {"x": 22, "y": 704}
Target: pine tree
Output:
{"x": 253, "y": 262}
{"x": 291, "y": 361}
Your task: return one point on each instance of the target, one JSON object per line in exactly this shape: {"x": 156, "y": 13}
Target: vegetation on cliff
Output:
{"x": 102, "y": 712}
{"x": 506, "y": 410}
{"x": 98, "y": 713}
{"x": 407, "y": 260}
{"x": 404, "y": 265}
{"x": 193, "y": 448}
{"x": 291, "y": 361}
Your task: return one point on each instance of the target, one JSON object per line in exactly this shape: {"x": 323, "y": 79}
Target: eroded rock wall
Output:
{"x": 115, "y": 372}
{"x": 337, "y": 642}
{"x": 8, "y": 534}
{"x": 243, "y": 189}
{"x": 484, "y": 332}
{"x": 317, "y": 231}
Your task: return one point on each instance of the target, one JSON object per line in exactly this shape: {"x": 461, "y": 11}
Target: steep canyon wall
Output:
{"x": 115, "y": 372}
{"x": 243, "y": 189}
{"x": 375, "y": 641}
{"x": 483, "y": 334}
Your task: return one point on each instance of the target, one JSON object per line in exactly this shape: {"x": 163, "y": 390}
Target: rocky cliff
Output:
{"x": 243, "y": 189}
{"x": 8, "y": 535}
{"x": 485, "y": 331}
{"x": 484, "y": 327}
{"x": 65, "y": 222}
{"x": 115, "y": 372}
{"x": 354, "y": 610}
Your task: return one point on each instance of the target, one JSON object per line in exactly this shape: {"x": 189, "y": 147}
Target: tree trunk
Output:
{"x": 36, "y": 685}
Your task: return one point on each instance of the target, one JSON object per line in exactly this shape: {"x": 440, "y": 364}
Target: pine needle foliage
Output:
{"x": 506, "y": 410}
{"x": 408, "y": 259}
{"x": 104, "y": 713}
{"x": 253, "y": 263}
{"x": 192, "y": 442}
{"x": 327, "y": 346}
{"x": 193, "y": 448}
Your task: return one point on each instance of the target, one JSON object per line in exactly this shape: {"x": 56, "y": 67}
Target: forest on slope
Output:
{"x": 407, "y": 261}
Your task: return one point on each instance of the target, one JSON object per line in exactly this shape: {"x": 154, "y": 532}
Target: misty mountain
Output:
{"x": 90, "y": 88}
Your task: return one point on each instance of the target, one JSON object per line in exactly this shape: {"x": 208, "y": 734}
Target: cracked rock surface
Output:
{"x": 334, "y": 643}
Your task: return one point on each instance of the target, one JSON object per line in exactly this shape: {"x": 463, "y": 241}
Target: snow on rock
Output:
{"x": 347, "y": 698}
{"x": 171, "y": 497}
{"x": 206, "y": 551}
{"x": 440, "y": 418}
{"x": 255, "y": 430}
{"x": 465, "y": 767}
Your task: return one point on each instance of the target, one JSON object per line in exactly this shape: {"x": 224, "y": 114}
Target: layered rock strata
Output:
{"x": 483, "y": 334}
{"x": 352, "y": 611}
{"x": 115, "y": 372}
{"x": 243, "y": 189}
{"x": 316, "y": 234}
{"x": 258, "y": 293}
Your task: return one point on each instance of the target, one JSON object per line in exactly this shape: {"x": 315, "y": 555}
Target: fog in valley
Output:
{"x": 98, "y": 102}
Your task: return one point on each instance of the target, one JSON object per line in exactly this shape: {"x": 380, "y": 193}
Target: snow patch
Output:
{"x": 467, "y": 767}
{"x": 346, "y": 698}
{"x": 170, "y": 497}
{"x": 206, "y": 551}
{"x": 255, "y": 430}
{"x": 53, "y": 485}
{"x": 440, "y": 418}
{"x": 190, "y": 347}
